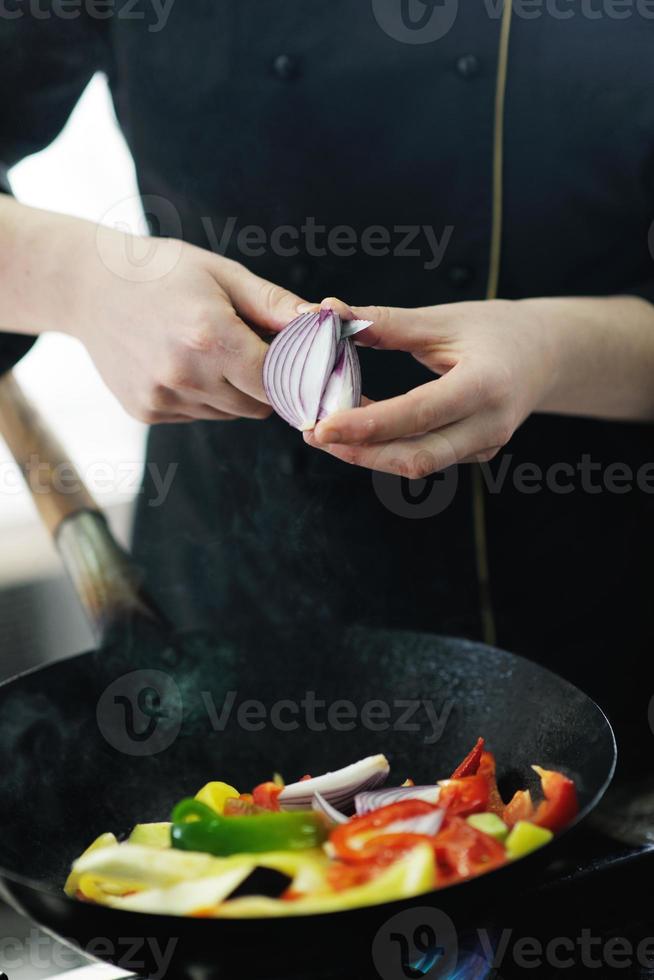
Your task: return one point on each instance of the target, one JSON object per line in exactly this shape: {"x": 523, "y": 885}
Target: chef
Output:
{"x": 478, "y": 181}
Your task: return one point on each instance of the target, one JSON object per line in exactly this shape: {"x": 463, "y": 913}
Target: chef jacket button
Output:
{"x": 467, "y": 65}
{"x": 460, "y": 275}
{"x": 285, "y": 66}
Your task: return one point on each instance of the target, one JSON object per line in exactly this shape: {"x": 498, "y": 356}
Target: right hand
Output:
{"x": 172, "y": 335}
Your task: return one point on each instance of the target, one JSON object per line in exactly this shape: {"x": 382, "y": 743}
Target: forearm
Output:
{"x": 604, "y": 362}
{"x": 39, "y": 253}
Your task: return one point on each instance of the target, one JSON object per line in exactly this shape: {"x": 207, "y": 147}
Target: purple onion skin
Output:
{"x": 365, "y": 802}
{"x": 301, "y": 390}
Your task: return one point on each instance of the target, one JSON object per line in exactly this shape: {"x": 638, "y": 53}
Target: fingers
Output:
{"x": 394, "y": 328}
{"x": 256, "y": 300}
{"x": 420, "y": 456}
{"x": 220, "y": 346}
{"x": 224, "y": 404}
{"x": 430, "y": 406}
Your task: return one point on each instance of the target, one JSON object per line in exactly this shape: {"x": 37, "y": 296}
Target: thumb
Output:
{"x": 394, "y": 328}
{"x": 258, "y": 301}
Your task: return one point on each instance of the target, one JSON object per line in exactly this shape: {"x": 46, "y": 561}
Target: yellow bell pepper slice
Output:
{"x": 72, "y": 882}
{"x": 216, "y": 795}
{"x": 151, "y": 835}
{"x": 413, "y": 874}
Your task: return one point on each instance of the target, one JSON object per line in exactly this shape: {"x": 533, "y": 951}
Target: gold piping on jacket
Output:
{"x": 478, "y": 494}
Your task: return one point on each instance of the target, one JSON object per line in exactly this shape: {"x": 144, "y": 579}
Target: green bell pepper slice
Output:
{"x": 196, "y": 827}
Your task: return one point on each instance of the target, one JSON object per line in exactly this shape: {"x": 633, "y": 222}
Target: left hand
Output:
{"x": 497, "y": 362}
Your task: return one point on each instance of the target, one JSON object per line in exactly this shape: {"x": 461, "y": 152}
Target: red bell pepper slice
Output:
{"x": 559, "y": 806}
{"x": 555, "y": 811}
{"x": 470, "y": 764}
{"x": 519, "y": 807}
{"x": 351, "y": 843}
{"x": 487, "y": 769}
{"x": 464, "y": 796}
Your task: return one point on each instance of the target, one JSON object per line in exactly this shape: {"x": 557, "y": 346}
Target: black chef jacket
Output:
{"x": 288, "y": 112}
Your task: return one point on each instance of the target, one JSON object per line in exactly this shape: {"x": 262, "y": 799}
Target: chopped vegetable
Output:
{"x": 466, "y": 795}
{"x": 412, "y": 874}
{"x": 462, "y": 851}
{"x": 320, "y": 805}
{"x": 72, "y": 882}
{"x": 374, "y": 799}
{"x": 338, "y": 788}
{"x": 198, "y": 828}
{"x": 470, "y": 764}
{"x": 291, "y": 850}
{"x": 526, "y": 837}
{"x": 151, "y": 834}
{"x": 383, "y": 832}
{"x": 487, "y": 769}
{"x": 560, "y": 805}
{"x": 216, "y": 795}
{"x": 489, "y": 823}
{"x": 556, "y": 810}
{"x": 266, "y": 795}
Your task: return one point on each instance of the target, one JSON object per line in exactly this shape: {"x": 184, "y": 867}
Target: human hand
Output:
{"x": 497, "y": 361}
{"x": 172, "y": 335}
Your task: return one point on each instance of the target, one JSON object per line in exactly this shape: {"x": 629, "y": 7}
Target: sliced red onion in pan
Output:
{"x": 338, "y": 788}
{"x": 312, "y": 368}
{"x": 427, "y": 823}
{"x": 320, "y": 805}
{"x": 366, "y": 801}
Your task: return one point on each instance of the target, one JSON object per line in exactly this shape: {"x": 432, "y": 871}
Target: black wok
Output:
{"x": 116, "y": 736}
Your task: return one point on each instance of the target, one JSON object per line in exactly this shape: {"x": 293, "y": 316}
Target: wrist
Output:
{"x": 38, "y": 277}
{"x": 554, "y": 336}
{"x": 601, "y": 356}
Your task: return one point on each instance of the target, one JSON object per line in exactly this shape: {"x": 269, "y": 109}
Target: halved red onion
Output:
{"x": 320, "y": 805}
{"x": 365, "y": 802}
{"x": 312, "y": 368}
{"x": 338, "y": 788}
{"x": 343, "y": 389}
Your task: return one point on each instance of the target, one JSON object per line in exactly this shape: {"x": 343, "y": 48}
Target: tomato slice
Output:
{"x": 266, "y": 795}
{"x": 462, "y": 851}
{"x": 464, "y": 796}
{"x": 470, "y": 764}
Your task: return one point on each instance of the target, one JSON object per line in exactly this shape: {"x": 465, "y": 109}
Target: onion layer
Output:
{"x": 365, "y": 802}
{"x": 338, "y": 788}
{"x": 312, "y": 368}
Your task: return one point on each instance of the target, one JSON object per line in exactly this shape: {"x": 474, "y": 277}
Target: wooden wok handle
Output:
{"x": 105, "y": 580}
{"x": 56, "y": 487}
